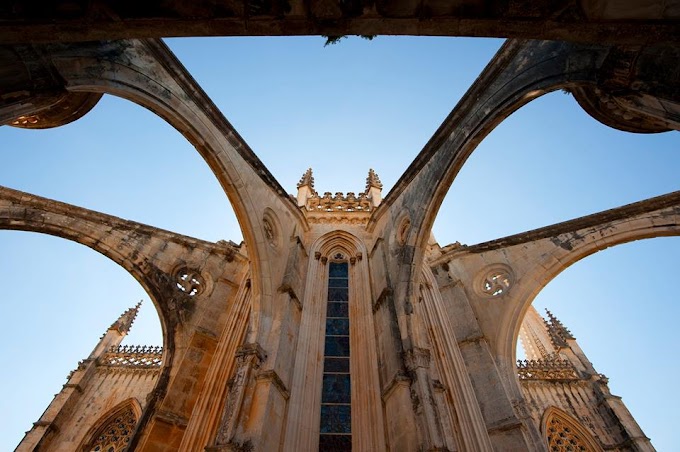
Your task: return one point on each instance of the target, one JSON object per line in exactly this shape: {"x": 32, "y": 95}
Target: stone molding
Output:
{"x": 272, "y": 377}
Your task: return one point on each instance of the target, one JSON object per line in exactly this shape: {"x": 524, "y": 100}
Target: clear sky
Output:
{"x": 341, "y": 109}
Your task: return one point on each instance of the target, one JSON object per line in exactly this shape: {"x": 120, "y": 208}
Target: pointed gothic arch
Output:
{"x": 537, "y": 278}
{"x": 304, "y": 407}
{"x": 562, "y": 432}
{"x": 88, "y": 228}
{"x": 147, "y": 73}
{"x": 113, "y": 431}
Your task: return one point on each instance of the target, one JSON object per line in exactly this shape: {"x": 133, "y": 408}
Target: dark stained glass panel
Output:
{"x": 336, "y": 389}
{"x": 337, "y": 282}
{"x": 336, "y": 419}
{"x": 340, "y": 365}
{"x": 336, "y": 394}
{"x": 337, "y": 310}
{"x": 337, "y": 270}
{"x": 335, "y": 443}
{"x": 337, "y": 327}
{"x": 338, "y": 294}
{"x": 337, "y": 346}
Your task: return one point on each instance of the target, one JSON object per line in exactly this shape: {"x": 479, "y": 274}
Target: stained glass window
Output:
{"x": 336, "y": 393}
{"x": 115, "y": 435}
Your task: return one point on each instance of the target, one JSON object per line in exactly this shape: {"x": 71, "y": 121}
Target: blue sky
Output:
{"x": 340, "y": 109}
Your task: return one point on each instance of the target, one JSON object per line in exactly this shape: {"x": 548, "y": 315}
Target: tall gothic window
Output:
{"x": 116, "y": 433}
{"x": 336, "y": 415}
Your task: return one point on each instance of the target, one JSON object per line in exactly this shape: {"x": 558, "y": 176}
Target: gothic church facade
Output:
{"x": 340, "y": 323}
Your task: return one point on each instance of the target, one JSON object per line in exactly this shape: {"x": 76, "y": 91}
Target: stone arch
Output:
{"x": 148, "y": 74}
{"x": 97, "y": 237}
{"x": 547, "y": 264}
{"x": 520, "y": 72}
{"x": 124, "y": 242}
{"x": 557, "y": 426}
{"x": 127, "y": 409}
{"x": 305, "y": 395}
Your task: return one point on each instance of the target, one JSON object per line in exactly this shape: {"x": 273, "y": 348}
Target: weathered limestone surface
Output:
{"x": 612, "y": 21}
{"x": 431, "y": 331}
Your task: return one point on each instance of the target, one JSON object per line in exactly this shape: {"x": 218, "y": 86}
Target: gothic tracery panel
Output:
{"x": 563, "y": 435}
{"x": 116, "y": 433}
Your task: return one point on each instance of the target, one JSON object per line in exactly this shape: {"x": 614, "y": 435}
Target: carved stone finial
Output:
{"x": 307, "y": 179}
{"x": 373, "y": 181}
{"x": 124, "y": 322}
{"x": 558, "y": 332}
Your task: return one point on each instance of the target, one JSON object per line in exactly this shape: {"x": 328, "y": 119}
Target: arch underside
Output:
{"x": 520, "y": 72}
{"x": 537, "y": 257}
{"x": 146, "y": 73}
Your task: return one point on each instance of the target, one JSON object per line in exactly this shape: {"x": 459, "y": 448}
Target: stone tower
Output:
{"x": 103, "y": 399}
{"x": 340, "y": 323}
{"x": 566, "y": 397}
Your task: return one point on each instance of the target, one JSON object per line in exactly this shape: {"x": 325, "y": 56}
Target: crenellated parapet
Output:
{"x": 339, "y": 203}
{"x": 350, "y": 206}
{"x": 552, "y": 369}
{"x": 133, "y": 357}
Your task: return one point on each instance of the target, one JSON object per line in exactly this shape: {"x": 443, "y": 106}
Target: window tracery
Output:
{"x": 189, "y": 281}
{"x": 494, "y": 281}
{"x": 563, "y": 435}
{"x": 115, "y": 435}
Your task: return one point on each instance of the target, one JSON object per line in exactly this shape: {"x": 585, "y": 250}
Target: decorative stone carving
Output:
{"x": 249, "y": 357}
{"x": 133, "y": 357}
{"x": 339, "y": 202}
{"x": 115, "y": 434}
{"x": 373, "y": 181}
{"x": 562, "y": 437}
{"x": 494, "y": 281}
{"x": 552, "y": 368}
{"x": 559, "y": 334}
{"x": 306, "y": 179}
{"x": 189, "y": 281}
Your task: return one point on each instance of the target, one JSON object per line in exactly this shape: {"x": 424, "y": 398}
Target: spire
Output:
{"x": 307, "y": 179}
{"x": 558, "y": 332}
{"x": 305, "y": 188}
{"x": 373, "y": 181}
{"x": 373, "y": 188}
{"x": 124, "y": 322}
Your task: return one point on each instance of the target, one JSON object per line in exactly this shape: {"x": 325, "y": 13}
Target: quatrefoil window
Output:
{"x": 190, "y": 282}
